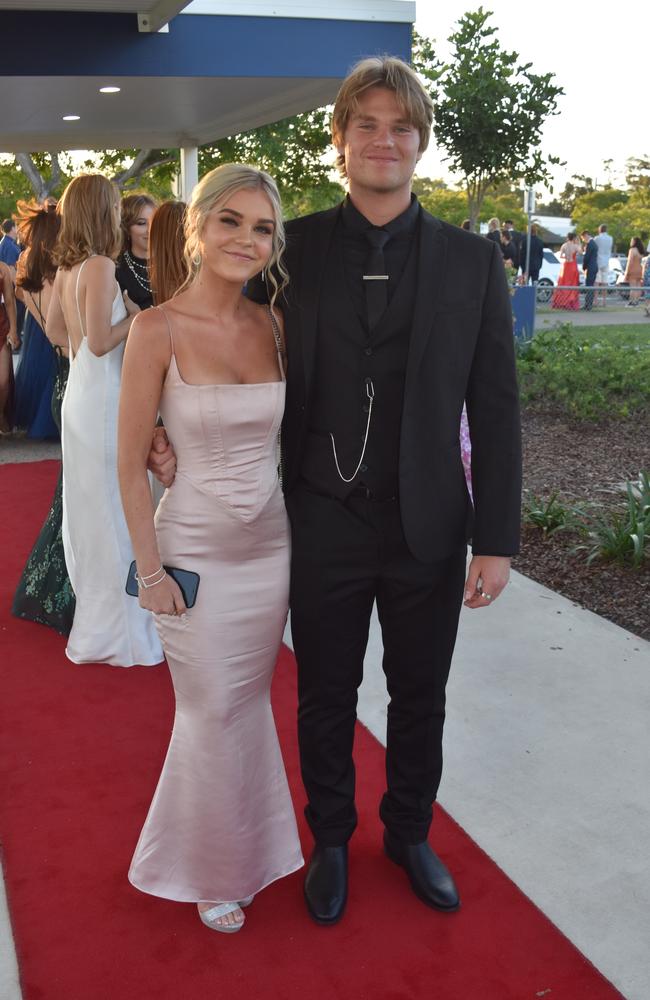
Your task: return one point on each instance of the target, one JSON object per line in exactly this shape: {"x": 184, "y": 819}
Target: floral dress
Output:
{"x": 44, "y": 594}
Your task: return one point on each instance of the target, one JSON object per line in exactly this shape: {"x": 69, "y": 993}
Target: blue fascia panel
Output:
{"x": 91, "y": 44}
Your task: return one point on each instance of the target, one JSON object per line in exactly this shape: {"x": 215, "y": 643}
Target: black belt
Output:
{"x": 363, "y": 493}
{"x": 358, "y": 493}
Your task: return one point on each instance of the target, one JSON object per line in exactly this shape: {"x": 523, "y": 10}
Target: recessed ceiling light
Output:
{"x": 71, "y": 118}
{"x": 109, "y": 90}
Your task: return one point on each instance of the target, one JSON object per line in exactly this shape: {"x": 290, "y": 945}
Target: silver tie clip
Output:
{"x": 375, "y": 277}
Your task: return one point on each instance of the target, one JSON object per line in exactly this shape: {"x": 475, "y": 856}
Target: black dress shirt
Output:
{"x": 349, "y": 357}
{"x": 356, "y": 249}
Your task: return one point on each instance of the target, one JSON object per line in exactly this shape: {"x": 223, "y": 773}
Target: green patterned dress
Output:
{"x": 44, "y": 593}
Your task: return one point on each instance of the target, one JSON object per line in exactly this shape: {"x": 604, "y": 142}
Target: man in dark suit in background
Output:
{"x": 392, "y": 320}
{"x": 589, "y": 265}
{"x": 536, "y": 257}
{"x": 518, "y": 240}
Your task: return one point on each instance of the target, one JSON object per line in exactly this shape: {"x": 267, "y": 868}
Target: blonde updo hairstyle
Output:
{"x": 215, "y": 189}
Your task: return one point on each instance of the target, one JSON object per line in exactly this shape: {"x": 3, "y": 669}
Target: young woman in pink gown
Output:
{"x": 221, "y": 826}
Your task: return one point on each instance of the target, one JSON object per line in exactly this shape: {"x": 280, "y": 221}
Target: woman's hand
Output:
{"x": 161, "y": 460}
{"x": 165, "y": 598}
{"x": 131, "y": 307}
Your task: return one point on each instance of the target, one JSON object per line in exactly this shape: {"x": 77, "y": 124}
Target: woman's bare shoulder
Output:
{"x": 98, "y": 265}
{"x": 150, "y": 325}
{"x": 260, "y": 312}
{"x": 149, "y": 338}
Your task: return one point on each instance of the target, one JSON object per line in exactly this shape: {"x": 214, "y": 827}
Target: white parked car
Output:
{"x": 613, "y": 274}
{"x": 552, "y": 265}
{"x": 549, "y": 274}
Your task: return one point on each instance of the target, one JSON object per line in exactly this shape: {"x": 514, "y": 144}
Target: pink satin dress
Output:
{"x": 221, "y": 825}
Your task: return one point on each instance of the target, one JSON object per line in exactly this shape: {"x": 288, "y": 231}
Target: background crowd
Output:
{"x": 588, "y": 251}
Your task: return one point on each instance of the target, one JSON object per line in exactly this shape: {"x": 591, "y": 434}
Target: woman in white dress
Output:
{"x": 89, "y": 313}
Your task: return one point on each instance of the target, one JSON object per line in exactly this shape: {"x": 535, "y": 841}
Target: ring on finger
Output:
{"x": 486, "y": 597}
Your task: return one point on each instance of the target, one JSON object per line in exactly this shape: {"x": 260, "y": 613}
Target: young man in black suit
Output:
{"x": 392, "y": 319}
{"x": 589, "y": 266}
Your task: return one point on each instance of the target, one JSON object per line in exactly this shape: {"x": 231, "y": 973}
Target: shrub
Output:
{"x": 549, "y": 516}
{"x": 611, "y": 535}
{"x": 588, "y": 380}
{"x": 622, "y": 536}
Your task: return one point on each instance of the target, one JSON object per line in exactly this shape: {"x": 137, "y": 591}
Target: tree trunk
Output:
{"x": 473, "y": 208}
{"x": 475, "y": 196}
{"x": 41, "y": 186}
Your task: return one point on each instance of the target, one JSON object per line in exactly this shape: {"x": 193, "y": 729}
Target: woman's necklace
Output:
{"x": 142, "y": 280}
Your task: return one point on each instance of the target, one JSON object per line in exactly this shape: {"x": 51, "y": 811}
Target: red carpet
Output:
{"x": 81, "y": 748}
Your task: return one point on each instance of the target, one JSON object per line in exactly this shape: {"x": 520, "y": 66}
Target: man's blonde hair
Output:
{"x": 90, "y": 223}
{"x": 215, "y": 189}
{"x": 393, "y": 74}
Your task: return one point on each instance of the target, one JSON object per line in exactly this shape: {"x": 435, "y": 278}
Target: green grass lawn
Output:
{"x": 630, "y": 334}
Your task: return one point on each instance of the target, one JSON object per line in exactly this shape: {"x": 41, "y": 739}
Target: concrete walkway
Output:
{"x": 547, "y": 757}
{"x": 607, "y": 316}
{"x": 19, "y": 448}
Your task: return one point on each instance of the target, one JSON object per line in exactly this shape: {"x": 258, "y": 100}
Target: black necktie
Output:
{"x": 375, "y": 278}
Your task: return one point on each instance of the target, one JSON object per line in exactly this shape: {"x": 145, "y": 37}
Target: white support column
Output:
{"x": 189, "y": 170}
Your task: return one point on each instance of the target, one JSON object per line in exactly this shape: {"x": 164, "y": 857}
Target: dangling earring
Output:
{"x": 196, "y": 259}
{"x": 264, "y": 275}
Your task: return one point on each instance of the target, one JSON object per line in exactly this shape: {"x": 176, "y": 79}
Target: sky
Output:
{"x": 599, "y": 54}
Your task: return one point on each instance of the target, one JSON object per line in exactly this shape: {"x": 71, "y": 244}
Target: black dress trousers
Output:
{"x": 347, "y": 554}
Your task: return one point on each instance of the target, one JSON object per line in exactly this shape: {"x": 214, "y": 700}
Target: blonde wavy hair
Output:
{"x": 392, "y": 74}
{"x": 90, "y": 221}
{"x": 215, "y": 189}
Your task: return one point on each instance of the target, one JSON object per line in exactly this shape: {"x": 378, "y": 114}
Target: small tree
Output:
{"x": 490, "y": 109}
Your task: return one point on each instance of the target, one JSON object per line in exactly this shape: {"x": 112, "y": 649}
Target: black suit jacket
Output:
{"x": 590, "y": 258}
{"x": 536, "y": 255}
{"x": 461, "y": 348}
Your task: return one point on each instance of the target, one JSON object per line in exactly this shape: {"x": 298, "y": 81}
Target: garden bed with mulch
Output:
{"x": 585, "y": 462}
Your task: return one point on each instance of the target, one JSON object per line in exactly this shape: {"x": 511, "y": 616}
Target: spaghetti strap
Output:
{"x": 76, "y": 296}
{"x": 278, "y": 342}
{"x": 169, "y": 327}
{"x": 37, "y": 307}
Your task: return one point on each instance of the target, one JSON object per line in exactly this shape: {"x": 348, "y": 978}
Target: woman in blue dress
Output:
{"x": 44, "y": 593}
{"x": 38, "y": 227}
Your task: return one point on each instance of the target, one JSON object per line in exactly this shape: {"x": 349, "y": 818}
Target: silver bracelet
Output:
{"x": 150, "y": 576}
{"x": 145, "y": 586}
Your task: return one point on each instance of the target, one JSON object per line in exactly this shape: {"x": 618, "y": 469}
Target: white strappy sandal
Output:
{"x": 209, "y": 917}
